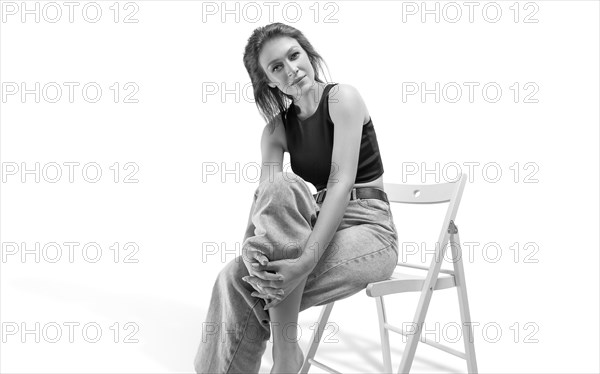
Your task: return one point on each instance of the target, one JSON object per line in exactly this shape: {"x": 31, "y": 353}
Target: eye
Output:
{"x": 276, "y": 67}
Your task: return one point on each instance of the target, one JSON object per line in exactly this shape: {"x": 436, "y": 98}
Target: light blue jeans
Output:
{"x": 364, "y": 249}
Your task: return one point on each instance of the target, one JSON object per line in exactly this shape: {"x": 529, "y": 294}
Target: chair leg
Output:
{"x": 422, "y": 307}
{"x": 385, "y": 336}
{"x": 409, "y": 352}
{"x": 463, "y": 302}
{"x": 316, "y": 337}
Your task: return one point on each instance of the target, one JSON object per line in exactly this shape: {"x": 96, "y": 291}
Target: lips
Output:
{"x": 298, "y": 80}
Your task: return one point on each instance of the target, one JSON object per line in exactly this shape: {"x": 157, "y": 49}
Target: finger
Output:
{"x": 269, "y": 276}
{"x": 271, "y": 265}
{"x": 248, "y": 280}
{"x": 260, "y": 295}
{"x": 258, "y": 258}
{"x": 260, "y": 282}
{"x": 272, "y": 304}
{"x": 269, "y": 291}
{"x": 276, "y": 292}
{"x": 257, "y": 288}
{"x": 266, "y": 273}
{"x": 253, "y": 254}
{"x": 262, "y": 259}
{"x": 248, "y": 253}
{"x": 266, "y": 296}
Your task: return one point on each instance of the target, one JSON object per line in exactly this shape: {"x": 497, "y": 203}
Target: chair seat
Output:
{"x": 402, "y": 282}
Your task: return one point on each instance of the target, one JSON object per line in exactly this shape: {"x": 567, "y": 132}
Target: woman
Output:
{"x": 291, "y": 260}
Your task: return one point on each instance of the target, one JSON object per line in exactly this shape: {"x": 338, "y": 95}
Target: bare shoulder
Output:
{"x": 274, "y": 133}
{"x": 345, "y": 99}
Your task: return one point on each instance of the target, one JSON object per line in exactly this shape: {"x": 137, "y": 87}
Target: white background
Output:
{"x": 545, "y": 305}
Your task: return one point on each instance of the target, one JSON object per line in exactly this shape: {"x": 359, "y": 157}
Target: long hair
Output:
{"x": 271, "y": 101}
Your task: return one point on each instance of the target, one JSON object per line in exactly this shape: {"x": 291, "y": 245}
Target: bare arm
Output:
{"x": 272, "y": 149}
{"x": 347, "y": 112}
{"x": 272, "y": 159}
{"x": 272, "y": 162}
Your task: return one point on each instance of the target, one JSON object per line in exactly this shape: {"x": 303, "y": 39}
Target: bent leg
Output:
{"x": 362, "y": 251}
{"x": 235, "y": 334}
{"x": 283, "y": 217}
{"x": 237, "y": 327}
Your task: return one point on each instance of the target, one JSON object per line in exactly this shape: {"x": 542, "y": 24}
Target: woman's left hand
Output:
{"x": 293, "y": 272}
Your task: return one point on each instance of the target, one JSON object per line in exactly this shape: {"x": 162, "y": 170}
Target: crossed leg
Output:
{"x": 283, "y": 215}
{"x": 237, "y": 327}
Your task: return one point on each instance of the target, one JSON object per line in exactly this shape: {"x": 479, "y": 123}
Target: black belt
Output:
{"x": 357, "y": 193}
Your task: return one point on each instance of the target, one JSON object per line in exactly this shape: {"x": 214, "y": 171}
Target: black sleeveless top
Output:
{"x": 310, "y": 144}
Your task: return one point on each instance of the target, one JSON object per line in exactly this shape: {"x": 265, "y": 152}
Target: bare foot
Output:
{"x": 288, "y": 361}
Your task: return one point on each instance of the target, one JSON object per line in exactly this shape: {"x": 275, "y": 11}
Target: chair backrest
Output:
{"x": 450, "y": 192}
{"x": 425, "y": 193}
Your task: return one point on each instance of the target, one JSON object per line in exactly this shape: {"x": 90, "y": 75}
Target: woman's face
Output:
{"x": 287, "y": 66}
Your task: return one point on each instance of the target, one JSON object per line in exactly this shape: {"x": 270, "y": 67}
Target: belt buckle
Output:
{"x": 353, "y": 194}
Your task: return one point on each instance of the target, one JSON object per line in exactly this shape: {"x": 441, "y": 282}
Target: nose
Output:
{"x": 291, "y": 69}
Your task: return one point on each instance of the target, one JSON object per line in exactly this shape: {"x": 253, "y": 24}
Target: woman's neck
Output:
{"x": 307, "y": 104}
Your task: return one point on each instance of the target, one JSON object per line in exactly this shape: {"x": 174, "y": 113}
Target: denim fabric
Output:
{"x": 364, "y": 249}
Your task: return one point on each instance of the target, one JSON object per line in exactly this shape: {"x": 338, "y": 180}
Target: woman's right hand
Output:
{"x": 267, "y": 279}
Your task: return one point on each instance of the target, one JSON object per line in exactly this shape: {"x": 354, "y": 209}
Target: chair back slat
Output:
{"x": 421, "y": 193}
{"x": 431, "y": 194}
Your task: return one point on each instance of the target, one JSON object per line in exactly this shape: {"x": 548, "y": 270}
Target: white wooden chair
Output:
{"x": 430, "y": 280}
